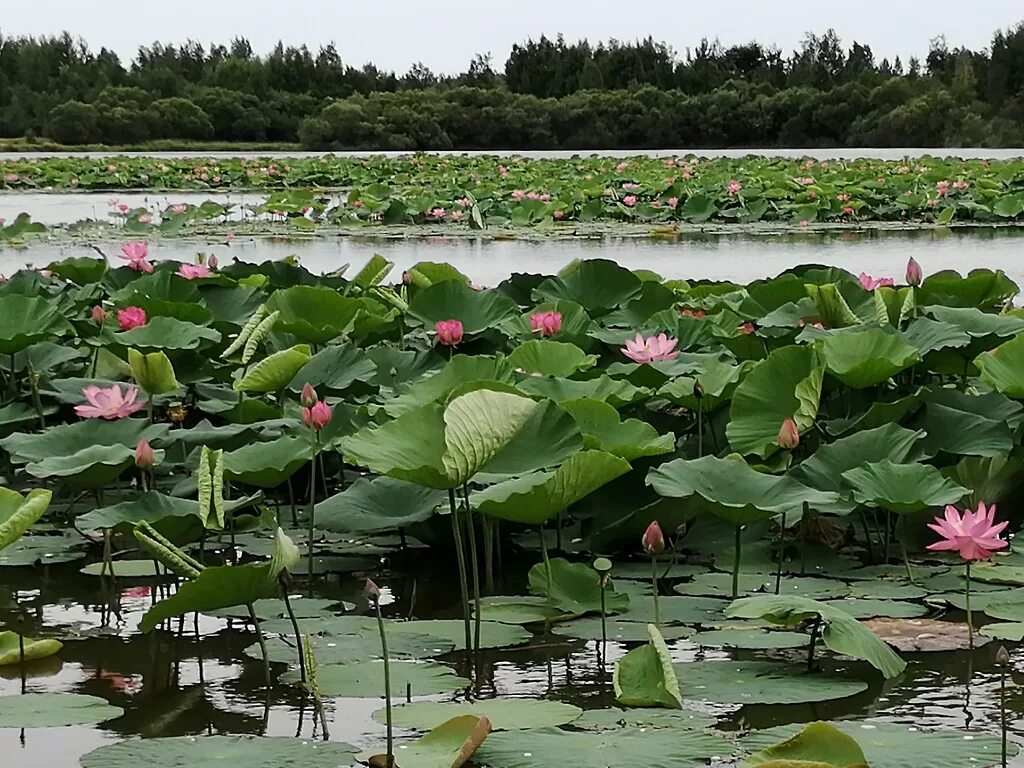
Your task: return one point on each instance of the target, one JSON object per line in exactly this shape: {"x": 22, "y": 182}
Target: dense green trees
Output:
{"x": 551, "y": 94}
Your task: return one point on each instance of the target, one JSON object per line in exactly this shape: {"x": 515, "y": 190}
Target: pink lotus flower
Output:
{"x": 113, "y": 202}
{"x": 621, "y": 166}
{"x": 559, "y": 214}
{"x": 179, "y": 208}
{"x": 11, "y": 178}
{"x": 848, "y": 210}
{"x": 518, "y": 194}
{"x": 942, "y": 187}
{"x": 734, "y": 187}
{"x": 110, "y": 403}
{"x": 913, "y": 272}
{"x": 696, "y": 314}
{"x": 122, "y": 208}
{"x": 144, "y": 456}
{"x": 145, "y": 218}
{"x": 465, "y": 202}
{"x": 629, "y": 186}
{"x": 318, "y": 416}
{"x": 546, "y": 323}
{"x": 449, "y": 332}
{"x": 436, "y": 213}
{"x": 869, "y": 283}
{"x": 136, "y": 254}
{"x": 653, "y": 540}
{"x": 842, "y": 197}
{"x": 672, "y": 202}
{"x": 975, "y": 535}
{"x": 746, "y": 329}
{"x": 193, "y": 271}
{"x": 629, "y": 201}
{"x": 131, "y": 317}
{"x": 789, "y": 435}
{"x": 454, "y": 215}
{"x": 651, "y": 350}
{"x": 98, "y": 315}
{"x": 960, "y": 186}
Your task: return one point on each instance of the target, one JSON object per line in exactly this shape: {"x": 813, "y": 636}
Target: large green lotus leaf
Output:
{"x": 313, "y": 314}
{"x": 880, "y": 412}
{"x": 167, "y": 333}
{"x": 892, "y": 745}
{"x": 1003, "y": 368}
{"x": 218, "y": 751}
{"x": 81, "y": 270}
{"x": 676, "y": 610}
{"x": 504, "y": 714}
{"x": 25, "y": 320}
{"x": 614, "y": 719}
{"x": 42, "y": 550}
{"x": 602, "y": 429}
{"x": 153, "y": 372}
{"x": 535, "y": 498}
{"x": 732, "y": 490}
{"x": 19, "y": 513}
{"x": 377, "y": 504}
{"x": 551, "y": 358}
{"x": 868, "y": 608}
{"x": 615, "y": 392}
{"x": 576, "y": 323}
{"x": 901, "y": 487}
{"x": 91, "y": 467}
{"x": 927, "y": 335}
{"x": 824, "y": 469}
{"x": 408, "y": 448}
{"x": 366, "y": 679}
{"x": 617, "y": 630}
{"x": 626, "y": 747}
{"x": 449, "y": 745}
{"x": 215, "y": 587}
{"x": 787, "y": 384}
{"x": 982, "y": 289}
{"x": 66, "y": 439}
{"x": 1007, "y": 611}
{"x": 718, "y": 380}
{"x": 1012, "y": 631}
{"x": 749, "y": 639}
{"x": 818, "y": 743}
{"x": 518, "y": 609}
{"x": 654, "y": 297}
{"x": 831, "y": 305}
{"x": 267, "y": 465}
{"x": 644, "y": 677}
{"x": 967, "y": 424}
{"x": 16, "y": 415}
{"x": 46, "y": 356}
{"x": 866, "y": 358}
{"x": 978, "y": 325}
{"x": 11, "y": 648}
{"x": 51, "y": 710}
{"x": 760, "y": 682}
{"x": 547, "y": 438}
{"x": 456, "y": 300}
{"x": 274, "y": 372}
{"x": 492, "y": 633}
{"x": 461, "y": 370}
{"x": 343, "y": 649}
{"x": 335, "y": 368}
{"x": 151, "y": 506}
{"x": 477, "y": 426}
{"x": 574, "y": 588}
{"x": 598, "y": 285}
{"x": 842, "y": 633}
{"x": 426, "y": 273}
{"x": 720, "y": 585}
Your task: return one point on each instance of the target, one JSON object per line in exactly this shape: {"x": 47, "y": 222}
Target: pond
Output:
{"x": 769, "y": 452}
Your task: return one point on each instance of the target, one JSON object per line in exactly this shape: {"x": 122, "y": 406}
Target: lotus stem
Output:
{"x": 546, "y": 559}
{"x": 13, "y": 381}
{"x": 312, "y": 502}
{"x": 700, "y": 429}
{"x": 474, "y": 565}
{"x": 295, "y": 629}
{"x": 36, "y": 402}
{"x": 1002, "y": 710}
{"x": 387, "y": 685}
{"x": 867, "y": 536}
{"x": 488, "y": 529}
{"x": 782, "y": 552}
{"x": 263, "y": 644}
{"x": 654, "y": 591}
{"x": 21, "y": 658}
{"x": 736, "y": 564}
{"x": 604, "y": 616}
{"x": 906, "y": 561}
{"x": 815, "y": 628}
{"x": 967, "y": 605}
{"x": 888, "y": 537}
{"x": 804, "y": 535}
{"x": 108, "y": 563}
{"x": 461, "y": 559}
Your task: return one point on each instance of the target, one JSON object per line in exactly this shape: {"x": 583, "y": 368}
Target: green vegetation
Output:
{"x": 551, "y": 94}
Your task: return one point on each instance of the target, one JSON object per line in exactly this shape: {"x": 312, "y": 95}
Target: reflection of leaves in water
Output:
{"x": 184, "y": 712}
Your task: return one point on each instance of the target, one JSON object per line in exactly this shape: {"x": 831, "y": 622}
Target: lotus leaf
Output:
{"x": 817, "y": 744}
{"x": 456, "y": 300}
{"x": 167, "y": 334}
{"x": 901, "y": 488}
{"x": 273, "y": 373}
{"x": 866, "y": 358}
{"x": 217, "y": 751}
{"x": 26, "y": 320}
{"x": 644, "y": 677}
{"x": 11, "y": 648}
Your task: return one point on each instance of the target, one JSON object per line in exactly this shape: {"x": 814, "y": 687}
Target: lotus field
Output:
{"x": 490, "y": 191}
{"x": 597, "y": 518}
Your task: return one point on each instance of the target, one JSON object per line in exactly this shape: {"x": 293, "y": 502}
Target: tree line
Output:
{"x": 551, "y": 94}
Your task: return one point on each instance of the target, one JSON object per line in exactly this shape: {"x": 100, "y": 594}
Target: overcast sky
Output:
{"x": 446, "y": 33}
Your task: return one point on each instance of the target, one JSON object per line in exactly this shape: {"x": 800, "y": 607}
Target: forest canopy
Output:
{"x": 551, "y": 94}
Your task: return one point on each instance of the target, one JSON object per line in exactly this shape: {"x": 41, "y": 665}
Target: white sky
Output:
{"x": 446, "y": 33}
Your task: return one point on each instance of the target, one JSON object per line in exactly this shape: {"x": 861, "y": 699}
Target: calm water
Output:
{"x": 715, "y": 257}
{"x": 825, "y": 153}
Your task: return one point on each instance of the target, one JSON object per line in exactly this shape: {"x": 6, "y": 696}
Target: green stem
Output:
{"x": 604, "y": 615}
{"x": 805, "y": 527}
{"x": 782, "y": 553}
{"x": 461, "y": 558}
{"x": 474, "y": 565}
{"x": 36, "y": 402}
{"x": 815, "y": 627}
{"x": 906, "y": 561}
{"x": 736, "y": 565}
{"x": 888, "y": 537}
{"x": 654, "y": 591}
{"x": 967, "y": 604}
{"x": 488, "y": 534}
{"x": 263, "y": 644}
{"x": 295, "y": 630}
{"x": 312, "y": 501}
{"x": 547, "y": 560}
{"x": 700, "y": 429}
{"x": 387, "y": 686}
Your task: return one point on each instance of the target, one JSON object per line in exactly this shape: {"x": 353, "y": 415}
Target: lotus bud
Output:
{"x": 449, "y": 332}
{"x": 913, "y": 273}
{"x": 372, "y": 591}
{"x": 98, "y": 314}
{"x": 406, "y": 278}
{"x": 789, "y": 435}
{"x": 212, "y": 262}
{"x": 698, "y": 389}
{"x": 144, "y": 457}
{"x": 308, "y": 398}
{"x": 653, "y": 540}
{"x": 1002, "y": 657}
{"x": 318, "y": 416}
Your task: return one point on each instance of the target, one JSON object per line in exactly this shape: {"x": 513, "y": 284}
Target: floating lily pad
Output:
{"x": 886, "y": 590}
{"x": 615, "y": 719}
{"x": 574, "y": 588}
{"x": 504, "y": 714}
{"x": 589, "y": 628}
{"x": 518, "y": 610}
{"x": 1007, "y": 611}
{"x": 678, "y": 610}
{"x": 11, "y": 648}
{"x": 274, "y": 608}
{"x": 218, "y": 751}
{"x": 1010, "y": 630}
{"x": 666, "y": 571}
{"x": 44, "y": 550}
{"x": 922, "y": 634}
{"x": 449, "y": 745}
{"x": 492, "y": 634}
{"x": 51, "y": 710}
{"x": 344, "y": 649}
{"x": 891, "y": 745}
{"x": 750, "y": 638}
{"x": 865, "y": 608}
{"x": 327, "y": 625}
{"x": 366, "y": 679}
{"x": 127, "y": 569}
{"x": 760, "y": 682}
{"x": 818, "y": 745}
{"x": 621, "y": 748}
{"x": 720, "y": 585}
